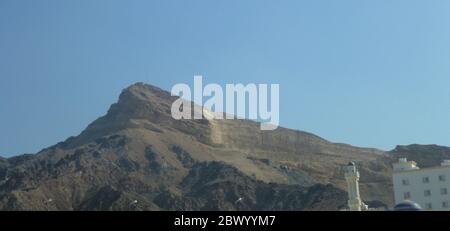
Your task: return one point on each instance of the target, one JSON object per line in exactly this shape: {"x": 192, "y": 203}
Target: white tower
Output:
{"x": 352, "y": 178}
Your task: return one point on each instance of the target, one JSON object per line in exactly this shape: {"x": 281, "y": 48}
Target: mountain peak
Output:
{"x": 146, "y": 107}
{"x": 144, "y": 92}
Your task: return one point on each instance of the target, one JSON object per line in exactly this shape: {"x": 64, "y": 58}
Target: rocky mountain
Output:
{"x": 425, "y": 155}
{"x": 137, "y": 157}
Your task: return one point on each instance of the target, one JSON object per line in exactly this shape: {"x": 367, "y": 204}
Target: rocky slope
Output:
{"x": 137, "y": 157}
{"x": 425, "y": 155}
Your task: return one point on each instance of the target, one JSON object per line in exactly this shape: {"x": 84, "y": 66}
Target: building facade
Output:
{"x": 429, "y": 187}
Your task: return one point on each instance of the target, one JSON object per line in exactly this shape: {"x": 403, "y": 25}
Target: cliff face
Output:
{"x": 137, "y": 157}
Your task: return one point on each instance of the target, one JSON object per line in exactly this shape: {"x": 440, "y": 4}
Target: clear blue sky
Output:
{"x": 368, "y": 73}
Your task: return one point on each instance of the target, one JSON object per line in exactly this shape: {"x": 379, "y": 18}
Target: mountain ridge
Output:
{"x": 138, "y": 152}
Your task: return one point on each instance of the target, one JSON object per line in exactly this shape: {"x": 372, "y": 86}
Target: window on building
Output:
{"x": 426, "y": 179}
{"x": 406, "y": 195}
{"x": 427, "y": 193}
{"x": 429, "y": 206}
{"x": 445, "y": 204}
{"x": 405, "y": 182}
{"x": 442, "y": 178}
{"x": 444, "y": 191}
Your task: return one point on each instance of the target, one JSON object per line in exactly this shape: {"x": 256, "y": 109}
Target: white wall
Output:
{"x": 417, "y": 187}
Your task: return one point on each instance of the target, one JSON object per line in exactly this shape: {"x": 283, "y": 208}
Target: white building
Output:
{"x": 429, "y": 187}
